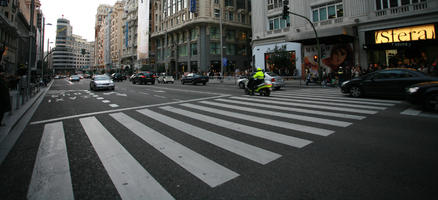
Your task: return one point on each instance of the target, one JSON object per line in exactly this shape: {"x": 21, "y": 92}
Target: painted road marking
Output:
{"x": 340, "y": 96}
{"x": 51, "y": 177}
{"x": 264, "y": 134}
{"x": 314, "y": 112}
{"x": 203, "y": 168}
{"x": 131, "y": 180}
{"x": 114, "y": 105}
{"x": 362, "y": 111}
{"x": 411, "y": 111}
{"x": 106, "y": 101}
{"x": 292, "y": 126}
{"x": 100, "y": 98}
{"x": 284, "y": 115}
{"x": 334, "y": 100}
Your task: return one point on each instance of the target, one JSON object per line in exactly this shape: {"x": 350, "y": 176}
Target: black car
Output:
{"x": 385, "y": 83}
{"x": 194, "y": 79}
{"x": 118, "y": 77}
{"x": 144, "y": 78}
{"x": 425, "y": 94}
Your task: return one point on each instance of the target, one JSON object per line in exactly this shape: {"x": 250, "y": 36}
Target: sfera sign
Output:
{"x": 407, "y": 34}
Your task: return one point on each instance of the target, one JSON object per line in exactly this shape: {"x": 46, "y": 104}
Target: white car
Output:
{"x": 163, "y": 78}
{"x": 101, "y": 82}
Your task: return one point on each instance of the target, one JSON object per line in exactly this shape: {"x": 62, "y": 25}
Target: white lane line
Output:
{"x": 292, "y": 126}
{"x": 314, "y": 112}
{"x": 100, "y": 98}
{"x": 411, "y": 111}
{"x": 334, "y": 100}
{"x": 250, "y": 152}
{"x": 95, "y": 95}
{"x": 308, "y": 105}
{"x": 342, "y": 97}
{"x": 51, "y": 177}
{"x": 122, "y": 95}
{"x": 283, "y": 115}
{"x": 69, "y": 82}
{"x": 322, "y": 102}
{"x": 106, "y": 101}
{"x": 131, "y": 180}
{"x": 122, "y": 109}
{"x": 114, "y": 105}
{"x": 201, "y": 167}
{"x": 261, "y": 133}
{"x": 158, "y": 96}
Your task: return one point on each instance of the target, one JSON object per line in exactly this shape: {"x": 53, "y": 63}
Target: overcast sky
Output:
{"x": 81, "y": 14}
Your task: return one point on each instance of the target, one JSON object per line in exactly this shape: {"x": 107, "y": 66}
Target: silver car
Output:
{"x": 101, "y": 82}
{"x": 277, "y": 81}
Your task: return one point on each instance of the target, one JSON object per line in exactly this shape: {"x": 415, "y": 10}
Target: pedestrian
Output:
{"x": 341, "y": 76}
{"x": 5, "y": 100}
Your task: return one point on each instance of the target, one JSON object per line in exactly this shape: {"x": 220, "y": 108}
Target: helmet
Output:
{"x": 259, "y": 69}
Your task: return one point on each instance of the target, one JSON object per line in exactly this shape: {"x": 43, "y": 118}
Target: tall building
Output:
{"x": 351, "y": 32}
{"x": 129, "y": 50}
{"x": 100, "y": 42}
{"x": 91, "y": 51}
{"x": 186, "y": 35}
{"x": 82, "y": 53}
{"x": 117, "y": 34}
{"x": 63, "y": 56}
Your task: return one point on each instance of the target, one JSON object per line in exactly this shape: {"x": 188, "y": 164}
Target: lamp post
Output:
{"x": 42, "y": 47}
{"x": 31, "y": 35}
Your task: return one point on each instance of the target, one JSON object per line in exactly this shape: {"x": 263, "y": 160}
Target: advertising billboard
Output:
{"x": 143, "y": 30}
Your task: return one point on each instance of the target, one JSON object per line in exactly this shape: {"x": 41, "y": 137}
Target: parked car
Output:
{"x": 425, "y": 94}
{"x": 118, "y": 77}
{"x": 74, "y": 78}
{"x": 163, "y": 78}
{"x": 194, "y": 79}
{"x": 101, "y": 82}
{"x": 385, "y": 83}
{"x": 277, "y": 81}
{"x": 144, "y": 78}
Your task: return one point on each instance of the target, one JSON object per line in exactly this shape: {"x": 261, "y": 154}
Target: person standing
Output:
{"x": 341, "y": 76}
{"x": 5, "y": 100}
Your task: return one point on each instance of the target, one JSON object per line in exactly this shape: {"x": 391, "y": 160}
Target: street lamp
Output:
{"x": 42, "y": 47}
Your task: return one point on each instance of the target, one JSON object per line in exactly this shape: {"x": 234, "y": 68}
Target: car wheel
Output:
{"x": 153, "y": 83}
{"x": 242, "y": 85}
{"x": 355, "y": 91}
{"x": 277, "y": 88}
{"x": 431, "y": 102}
{"x": 204, "y": 83}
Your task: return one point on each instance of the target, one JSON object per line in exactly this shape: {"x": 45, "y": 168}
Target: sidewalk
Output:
{"x": 19, "y": 109}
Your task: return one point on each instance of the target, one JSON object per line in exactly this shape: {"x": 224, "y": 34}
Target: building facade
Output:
{"x": 348, "y": 31}
{"x": 117, "y": 35}
{"x": 186, "y": 35}
{"x": 101, "y": 24}
{"x": 64, "y": 60}
{"x": 81, "y": 52}
{"x": 129, "y": 27}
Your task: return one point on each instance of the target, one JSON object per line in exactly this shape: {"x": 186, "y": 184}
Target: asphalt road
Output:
{"x": 173, "y": 141}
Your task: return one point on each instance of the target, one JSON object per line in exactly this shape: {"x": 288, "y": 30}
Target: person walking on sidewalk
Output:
{"x": 5, "y": 100}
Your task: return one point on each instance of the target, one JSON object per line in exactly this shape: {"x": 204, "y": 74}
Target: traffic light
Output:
{"x": 315, "y": 58}
{"x": 285, "y": 9}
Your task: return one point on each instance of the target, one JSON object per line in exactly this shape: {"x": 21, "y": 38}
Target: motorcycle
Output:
{"x": 263, "y": 89}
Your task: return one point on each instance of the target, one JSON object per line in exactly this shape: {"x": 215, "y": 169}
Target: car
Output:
{"x": 425, "y": 94}
{"x": 74, "y": 78}
{"x": 57, "y": 77}
{"x": 194, "y": 79}
{"x": 144, "y": 78}
{"x": 163, "y": 78}
{"x": 101, "y": 82}
{"x": 277, "y": 81}
{"x": 118, "y": 77}
{"x": 390, "y": 83}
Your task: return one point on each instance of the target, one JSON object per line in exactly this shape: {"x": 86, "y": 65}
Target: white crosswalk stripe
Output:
{"x": 309, "y": 110}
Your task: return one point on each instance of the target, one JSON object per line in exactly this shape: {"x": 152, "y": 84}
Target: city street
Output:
{"x": 173, "y": 141}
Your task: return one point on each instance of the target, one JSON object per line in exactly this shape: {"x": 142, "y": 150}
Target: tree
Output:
{"x": 279, "y": 59}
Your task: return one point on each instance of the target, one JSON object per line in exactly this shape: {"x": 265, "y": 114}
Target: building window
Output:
{"x": 229, "y": 3}
{"x": 217, "y": 13}
{"x": 214, "y": 48}
{"x": 230, "y": 50}
{"x": 194, "y": 49}
{"x": 230, "y": 35}
{"x": 324, "y": 12}
{"x": 278, "y": 22}
{"x": 272, "y": 4}
{"x": 194, "y": 34}
{"x": 216, "y": 1}
{"x": 230, "y": 16}
{"x": 385, "y": 4}
{"x": 214, "y": 33}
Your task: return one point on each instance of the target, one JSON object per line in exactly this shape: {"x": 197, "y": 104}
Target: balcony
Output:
{"x": 402, "y": 9}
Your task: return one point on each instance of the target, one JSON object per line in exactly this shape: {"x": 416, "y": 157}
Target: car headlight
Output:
{"x": 344, "y": 83}
{"x": 413, "y": 90}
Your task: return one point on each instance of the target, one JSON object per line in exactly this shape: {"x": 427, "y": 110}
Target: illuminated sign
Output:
{"x": 413, "y": 33}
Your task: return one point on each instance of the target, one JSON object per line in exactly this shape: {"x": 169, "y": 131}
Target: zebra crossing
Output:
{"x": 283, "y": 119}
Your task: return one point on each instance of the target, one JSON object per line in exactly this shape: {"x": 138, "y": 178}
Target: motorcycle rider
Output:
{"x": 258, "y": 77}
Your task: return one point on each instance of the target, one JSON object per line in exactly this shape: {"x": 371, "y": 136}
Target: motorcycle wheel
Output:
{"x": 267, "y": 92}
{"x": 246, "y": 91}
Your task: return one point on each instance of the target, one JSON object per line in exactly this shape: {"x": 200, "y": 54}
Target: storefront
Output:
{"x": 409, "y": 46}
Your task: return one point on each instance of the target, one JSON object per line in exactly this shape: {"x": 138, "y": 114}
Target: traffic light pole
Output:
{"x": 317, "y": 42}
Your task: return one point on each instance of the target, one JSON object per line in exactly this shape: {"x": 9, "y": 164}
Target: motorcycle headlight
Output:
{"x": 413, "y": 90}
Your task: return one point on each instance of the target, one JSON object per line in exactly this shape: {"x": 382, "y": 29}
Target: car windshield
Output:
{"x": 101, "y": 78}
{"x": 271, "y": 74}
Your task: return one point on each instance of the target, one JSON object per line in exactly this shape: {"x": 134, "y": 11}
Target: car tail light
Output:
{"x": 153, "y": 76}
{"x": 273, "y": 80}
{"x": 142, "y": 76}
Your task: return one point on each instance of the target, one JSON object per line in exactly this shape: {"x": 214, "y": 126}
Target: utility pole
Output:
{"x": 286, "y": 13}
{"x": 221, "y": 45}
